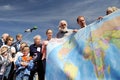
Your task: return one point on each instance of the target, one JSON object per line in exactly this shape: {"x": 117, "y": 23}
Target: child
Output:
{"x": 24, "y": 64}
{"x": 4, "y": 61}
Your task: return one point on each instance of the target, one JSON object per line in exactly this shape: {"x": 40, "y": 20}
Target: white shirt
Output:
{"x": 18, "y": 54}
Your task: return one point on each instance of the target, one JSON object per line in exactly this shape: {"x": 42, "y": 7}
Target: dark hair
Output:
{"x": 18, "y": 35}
{"x": 79, "y": 17}
{"x": 48, "y": 30}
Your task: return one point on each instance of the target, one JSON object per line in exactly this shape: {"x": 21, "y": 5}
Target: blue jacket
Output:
{"x": 21, "y": 68}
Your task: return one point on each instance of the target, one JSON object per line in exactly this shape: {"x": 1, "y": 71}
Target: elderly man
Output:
{"x": 63, "y": 30}
{"x": 81, "y": 21}
{"x": 36, "y": 53}
{"x": 3, "y": 40}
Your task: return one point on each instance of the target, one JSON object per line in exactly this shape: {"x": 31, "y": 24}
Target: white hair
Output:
{"x": 37, "y": 36}
{"x": 112, "y": 9}
{"x": 5, "y": 34}
{"x": 63, "y": 21}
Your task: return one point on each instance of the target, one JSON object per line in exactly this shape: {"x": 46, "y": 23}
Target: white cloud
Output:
{"x": 68, "y": 11}
{"x": 6, "y": 7}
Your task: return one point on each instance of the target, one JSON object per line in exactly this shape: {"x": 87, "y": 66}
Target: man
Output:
{"x": 81, "y": 21}
{"x": 18, "y": 41}
{"x": 63, "y": 30}
{"x": 36, "y": 53}
{"x": 3, "y": 39}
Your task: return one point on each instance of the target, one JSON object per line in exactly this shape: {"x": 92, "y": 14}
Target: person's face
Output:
{"x": 25, "y": 51}
{"x": 81, "y": 22}
{"x": 63, "y": 25}
{"x": 22, "y": 45}
{"x": 19, "y": 38}
{"x": 5, "y": 36}
{"x": 5, "y": 53}
{"x": 49, "y": 34}
{"x": 10, "y": 41}
{"x": 37, "y": 41}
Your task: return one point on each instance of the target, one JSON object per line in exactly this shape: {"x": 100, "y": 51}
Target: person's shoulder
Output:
{"x": 58, "y": 32}
{"x": 19, "y": 58}
{"x": 70, "y": 30}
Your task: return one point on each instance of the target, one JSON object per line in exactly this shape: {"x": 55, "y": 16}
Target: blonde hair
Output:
{"x": 24, "y": 43}
{"x": 112, "y": 9}
{"x": 3, "y": 50}
{"x": 9, "y": 38}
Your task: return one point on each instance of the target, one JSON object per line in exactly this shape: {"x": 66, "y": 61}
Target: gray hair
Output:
{"x": 113, "y": 8}
{"x": 5, "y": 34}
{"x": 63, "y": 21}
{"x": 37, "y": 36}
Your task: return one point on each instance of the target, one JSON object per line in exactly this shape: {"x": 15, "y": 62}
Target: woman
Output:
{"x": 11, "y": 53}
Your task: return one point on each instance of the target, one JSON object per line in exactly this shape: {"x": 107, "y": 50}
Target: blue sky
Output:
{"x": 18, "y": 15}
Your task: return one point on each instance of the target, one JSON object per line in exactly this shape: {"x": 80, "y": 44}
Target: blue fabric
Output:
{"x": 93, "y": 53}
{"x": 20, "y": 68}
{"x": 21, "y": 77}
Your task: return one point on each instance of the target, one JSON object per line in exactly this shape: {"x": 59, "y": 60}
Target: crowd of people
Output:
{"x": 19, "y": 61}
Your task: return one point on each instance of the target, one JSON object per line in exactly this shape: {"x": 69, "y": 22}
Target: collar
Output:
{"x": 63, "y": 31}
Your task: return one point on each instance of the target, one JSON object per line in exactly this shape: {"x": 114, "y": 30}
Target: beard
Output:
{"x": 63, "y": 30}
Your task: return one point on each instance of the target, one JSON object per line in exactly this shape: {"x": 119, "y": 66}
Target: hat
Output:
{"x": 3, "y": 50}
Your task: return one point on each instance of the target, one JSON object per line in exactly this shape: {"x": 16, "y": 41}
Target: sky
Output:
{"x": 18, "y": 15}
